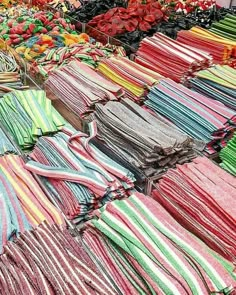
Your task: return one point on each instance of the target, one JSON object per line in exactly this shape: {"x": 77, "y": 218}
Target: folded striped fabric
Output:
{"x": 145, "y": 144}
{"x": 196, "y": 115}
{"x": 228, "y": 156}
{"x": 217, "y": 82}
{"x": 221, "y": 49}
{"x": 13, "y": 219}
{"x": 6, "y": 147}
{"x": 89, "y": 54}
{"x": 171, "y": 58}
{"x": 225, "y": 28}
{"x": 80, "y": 87}
{"x": 78, "y": 175}
{"x": 28, "y": 115}
{"x": 48, "y": 260}
{"x": 148, "y": 252}
{"x": 201, "y": 197}
{"x": 134, "y": 78}
{"x": 34, "y": 202}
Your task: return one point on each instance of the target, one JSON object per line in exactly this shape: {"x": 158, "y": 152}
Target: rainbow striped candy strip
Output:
{"x": 151, "y": 252}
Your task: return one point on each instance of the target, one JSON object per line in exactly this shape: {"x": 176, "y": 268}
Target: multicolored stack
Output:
{"x": 217, "y": 82}
{"x": 88, "y": 53}
{"x": 202, "y": 197}
{"x": 17, "y": 29}
{"x": 10, "y": 74}
{"x": 143, "y": 143}
{"x": 79, "y": 177}
{"x": 6, "y": 146}
{"x": 79, "y": 87}
{"x": 228, "y": 156}
{"x": 135, "y": 79}
{"x": 28, "y": 115}
{"x": 148, "y": 252}
{"x": 220, "y": 48}
{"x": 48, "y": 260}
{"x": 23, "y": 203}
{"x": 13, "y": 218}
{"x": 226, "y": 27}
{"x": 171, "y": 58}
{"x": 196, "y": 115}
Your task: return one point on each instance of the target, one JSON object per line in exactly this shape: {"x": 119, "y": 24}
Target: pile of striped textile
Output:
{"x": 80, "y": 87}
{"x": 134, "y": 78}
{"x": 36, "y": 206}
{"x": 79, "y": 177}
{"x": 28, "y": 115}
{"x": 196, "y": 115}
{"x": 202, "y": 197}
{"x": 221, "y": 49}
{"x": 148, "y": 252}
{"x": 217, "y": 82}
{"x": 143, "y": 143}
{"x": 171, "y": 58}
{"x": 228, "y": 156}
{"x": 48, "y": 260}
{"x": 89, "y": 54}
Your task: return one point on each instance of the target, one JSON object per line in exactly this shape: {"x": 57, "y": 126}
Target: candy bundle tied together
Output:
{"x": 217, "y": 82}
{"x": 171, "y": 58}
{"x": 145, "y": 144}
{"x": 79, "y": 177}
{"x": 148, "y": 252}
{"x": 28, "y": 115}
{"x": 134, "y": 78}
{"x": 209, "y": 193}
{"x": 48, "y": 260}
{"x": 79, "y": 87}
{"x": 199, "y": 116}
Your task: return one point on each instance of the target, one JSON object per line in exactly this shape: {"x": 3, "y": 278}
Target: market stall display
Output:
{"x": 197, "y": 115}
{"x": 209, "y": 192}
{"x": 143, "y": 106}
